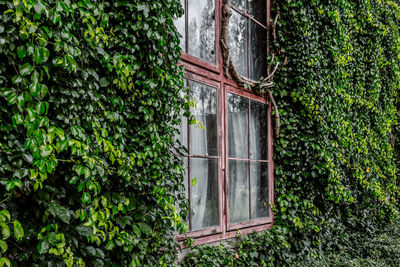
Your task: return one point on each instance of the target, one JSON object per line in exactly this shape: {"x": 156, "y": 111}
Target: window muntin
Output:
{"x": 198, "y": 29}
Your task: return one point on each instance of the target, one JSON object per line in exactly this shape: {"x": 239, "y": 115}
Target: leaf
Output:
{"x": 4, "y": 261}
{"x": 62, "y": 145}
{"x": 41, "y": 55}
{"x": 91, "y": 251}
{"x": 194, "y": 181}
{"x": 104, "y": 82}
{"x": 42, "y": 247}
{"x": 25, "y": 69}
{"x": 18, "y": 230}
{"x": 3, "y": 246}
{"x": 21, "y": 51}
{"x": 34, "y": 88}
{"x": 5, "y": 230}
{"x": 40, "y": 108}
{"x": 86, "y": 197}
{"x": 11, "y": 97}
{"x": 59, "y": 211}
{"x": 6, "y": 213}
{"x": 136, "y": 230}
{"x": 86, "y": 172}
{"x": 110, "y": 245}
{"x": 144, "y": 228}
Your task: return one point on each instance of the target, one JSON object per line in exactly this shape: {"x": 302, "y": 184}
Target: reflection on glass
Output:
{"x": 238, "y": 197}
{"x": 201, "y": 32}
{"x": 258, "y": 9}
{"x": 259, "y": 190}
{"x": 239, "y": 3}
{"x": 238, "y": 133}
{"x": 237, "y": 42}
{"x": 204, "y": 193}
{"x": 203, "y": 140}
{"x": 180, "y": 26}
{"x": 258, "y": 56}
{"x": 258, "y": 131}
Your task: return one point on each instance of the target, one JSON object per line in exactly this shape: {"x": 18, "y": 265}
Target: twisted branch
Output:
{"x": 263, "y": 86}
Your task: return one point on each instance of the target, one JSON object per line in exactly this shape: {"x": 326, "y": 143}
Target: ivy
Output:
{"x": 90, "y": 101}
{"x": 337, "y": 158}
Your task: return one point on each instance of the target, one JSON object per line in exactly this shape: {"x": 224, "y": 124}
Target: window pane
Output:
{"x": 203, "y": 140}
{"x": 238, "y": 191}
{"x": 237, "y": 42}
{"x": 180, "y": 26}
{"x": 259, "y": 190}
{"x": 258, "y": 131}
{"x": 258, "y": 9}
{"x": 258, "y": 56}
{"x": 201, "y": 32}
{"x": 204, "y": 194}
{"x": 238, "y": 141}
{"x": 239, "y": 3}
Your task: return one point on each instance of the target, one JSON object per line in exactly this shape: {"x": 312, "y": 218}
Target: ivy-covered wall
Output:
{"x": 90, "y": 96}
{"x": 337, "y": 159}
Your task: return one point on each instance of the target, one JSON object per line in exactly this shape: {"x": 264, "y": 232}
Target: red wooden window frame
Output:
{"x": 212, "y": 75}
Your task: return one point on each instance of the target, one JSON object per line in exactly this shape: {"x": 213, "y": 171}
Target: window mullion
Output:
{"x": 248, "y": 155}
{"x": 189, "y": 167}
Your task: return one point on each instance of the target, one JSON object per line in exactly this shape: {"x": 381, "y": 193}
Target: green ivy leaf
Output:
{"x": 110, "y": 245}
{"x": 21, "y": 51}
{"x": 144, "y": 228}
{"x": 86, "y": 198}
{"x": 59, "y": 211}
{"x": 25, "y": 69}
{"x": 5, "y": 230}
{"x": 3, "y": 246}
{"x": 18, "y": 230}
{"x": 104, "y": 82}
{"x": 41, "y": 55}
{"x": 136, "y": 230}
{"x": 42, "y": 247}
{"x": 5, "y": 262}
{"x": 34, "y": 88}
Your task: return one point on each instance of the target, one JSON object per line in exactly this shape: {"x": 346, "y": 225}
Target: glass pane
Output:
{"x": 237, "y": 42}
{"x": 204, "y": 138}
{"x": 258, "y": 57}
{"x": 258, "y": 9}
{"x": 240, "y": 4}
{"x": 259, "y": 190}
{"x": 180, "y": 26}
{"x": 258, "y": 131}
{"x": 238, "y": 191}
{"x": 201, "y": 32}
{"x": 238, "y": 132}
{"x": 204, "y": 193}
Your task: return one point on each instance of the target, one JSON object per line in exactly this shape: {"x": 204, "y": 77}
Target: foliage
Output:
{"x": 90, "y": 97}
{"x": 337, "y": 159}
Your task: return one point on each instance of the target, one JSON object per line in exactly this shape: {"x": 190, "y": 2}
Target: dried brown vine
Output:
{"x": 261, "y": 87}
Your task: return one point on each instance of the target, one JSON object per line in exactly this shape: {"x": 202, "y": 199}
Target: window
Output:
{"x": 229, "y": 167}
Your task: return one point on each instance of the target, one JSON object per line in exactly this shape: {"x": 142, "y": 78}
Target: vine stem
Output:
{"x": 9, "y": 195}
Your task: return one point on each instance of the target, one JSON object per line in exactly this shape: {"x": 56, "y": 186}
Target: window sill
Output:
{"x": 221, "y": 236}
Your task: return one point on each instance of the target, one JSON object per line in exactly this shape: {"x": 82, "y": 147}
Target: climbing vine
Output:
{"x": 90, "y": 100}
{"x": 337, "y": 157}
